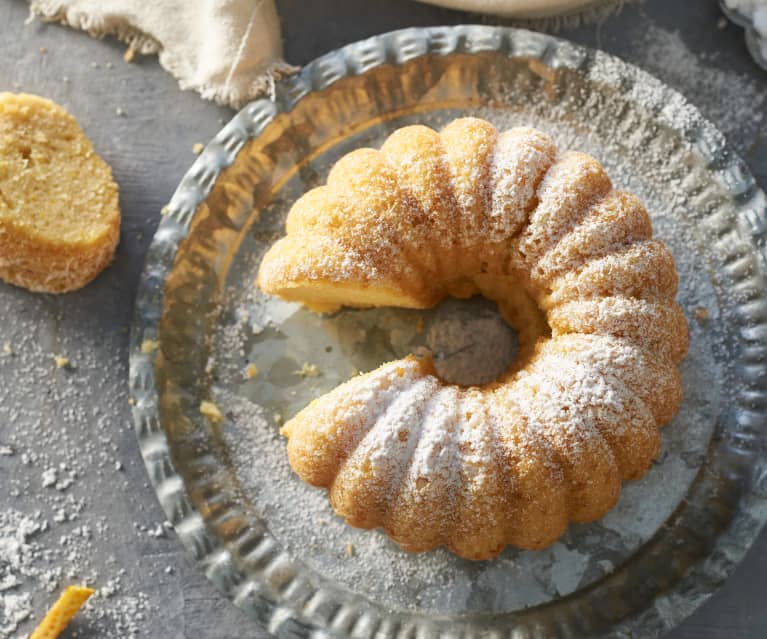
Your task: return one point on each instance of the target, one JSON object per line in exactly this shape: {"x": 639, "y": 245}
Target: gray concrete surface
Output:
{"x": 80, "y": 418}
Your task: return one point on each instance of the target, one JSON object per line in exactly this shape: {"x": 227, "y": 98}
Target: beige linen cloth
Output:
{"x": 228, "y": 50}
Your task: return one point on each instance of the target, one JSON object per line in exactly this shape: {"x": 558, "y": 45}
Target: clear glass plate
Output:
{"x": 272, "y": 543}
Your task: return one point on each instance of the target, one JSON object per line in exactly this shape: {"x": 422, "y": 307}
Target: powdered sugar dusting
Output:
{"x": 653, "y": 379}
{"x": 435, "y": 463}
{"x": 659, "y": 328}
{"x": 564, "y": 198}
{"x": 469, "y": 144}
{"x": 644, "y": 269}
{"x": 520, "y": 159}
{"x": 614, "y": 222}
{"x": 377, "y": 464}
{"x": 611, "y": 399}
{"x": 556, "y": 411}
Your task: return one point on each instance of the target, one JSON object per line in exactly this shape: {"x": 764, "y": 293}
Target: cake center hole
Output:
{"x": 470, "y": 343}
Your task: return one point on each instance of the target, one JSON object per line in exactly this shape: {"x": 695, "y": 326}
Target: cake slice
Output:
{"x": 59, "y": 210}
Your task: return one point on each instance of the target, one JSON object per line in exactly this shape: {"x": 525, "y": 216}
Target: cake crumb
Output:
{"x": 62, "y": 362}
{"x": 49, "y": 477}
{"x": 211, "y": 411}
{"x": 7, "y": 349}
{"x": 129, "y": 55}
{"x": 165, "y": 210}
{"x": 149, "y": 346}
{"x": 251, "y": 371}
{"x": 277, "y": 419}
{"x": 119, "y": 112}
{"x": 132, "y": 401}
{"x": 64, "y": 484}
{"x": 349, "y": 550}
{"x": 197, "y": 148}
{"x": 701, "y": 313}
{"x": 308, "y": 370}
{"x": 606, "y": 565}
{"x": 43, "y": 50}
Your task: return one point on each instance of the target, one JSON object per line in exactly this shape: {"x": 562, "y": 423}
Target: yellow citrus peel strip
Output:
{"x": 61, "y": 613}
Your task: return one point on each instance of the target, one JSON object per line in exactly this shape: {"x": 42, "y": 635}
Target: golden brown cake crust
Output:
{"x": 573, "y": 267}
{"x": 59, "y": 210}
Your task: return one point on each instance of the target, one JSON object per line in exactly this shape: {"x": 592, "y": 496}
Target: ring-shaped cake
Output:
{"x": 573, "y": 267}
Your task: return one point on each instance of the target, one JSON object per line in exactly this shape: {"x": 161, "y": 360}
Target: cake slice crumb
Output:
{"x": 308, "y": 370}
{"x": 149, "y": 346}
{"x": 211, "y": 411}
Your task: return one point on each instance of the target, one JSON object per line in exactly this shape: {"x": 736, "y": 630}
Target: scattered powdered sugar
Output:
{"x": 740, "y": 109}
{"x": 63, "y": 433}
{"x": 17, "y": 552}
{"x": 13, "y": 610}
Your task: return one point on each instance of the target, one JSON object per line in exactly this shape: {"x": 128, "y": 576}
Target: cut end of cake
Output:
{"x": 59, "y": 209}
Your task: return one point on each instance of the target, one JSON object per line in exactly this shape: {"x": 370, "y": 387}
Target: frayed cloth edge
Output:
{"x": 140, "y": 42}
{"x": 53, "y": 11}
{"x": 262, "y": 85}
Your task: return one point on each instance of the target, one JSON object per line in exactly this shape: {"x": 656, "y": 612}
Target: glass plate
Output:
{"x": 272, "y": 543}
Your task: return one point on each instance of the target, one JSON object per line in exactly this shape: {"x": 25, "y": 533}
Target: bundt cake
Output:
{"x": 573, "y": 267}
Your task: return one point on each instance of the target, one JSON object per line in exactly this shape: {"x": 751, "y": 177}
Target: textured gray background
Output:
{"x": 149, "y": 148}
